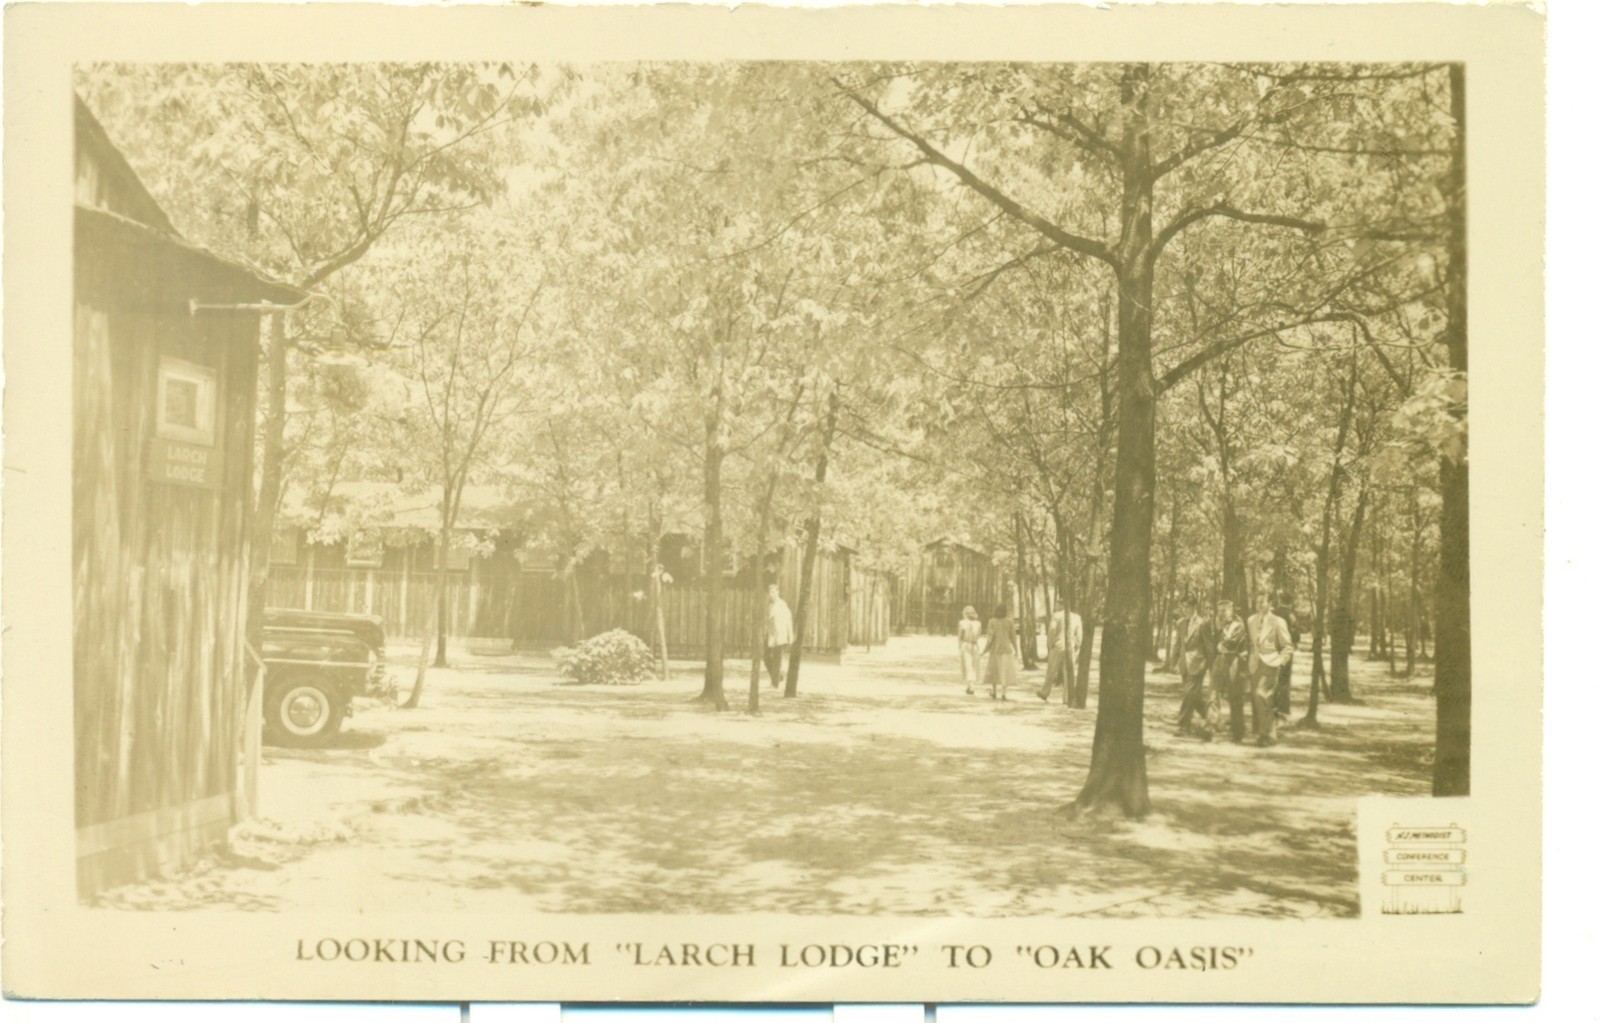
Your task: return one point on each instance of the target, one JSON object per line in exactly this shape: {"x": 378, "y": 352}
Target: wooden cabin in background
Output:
{"x": 504, "y": 592}
{"x": 163, "y": 434}
{"x": 947, "y": 577}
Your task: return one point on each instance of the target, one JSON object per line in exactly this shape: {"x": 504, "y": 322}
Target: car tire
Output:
{"x": 302, "y": 710}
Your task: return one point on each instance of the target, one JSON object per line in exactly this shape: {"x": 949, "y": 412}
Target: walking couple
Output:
{"x": 995, "y": 648}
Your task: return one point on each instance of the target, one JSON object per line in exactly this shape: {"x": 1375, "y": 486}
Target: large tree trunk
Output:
{"x": 1453, "y": 636}
{"x": 1117, "y": 778}
{"x": 802, "y": 605}
{"x": 1090, "y": 589}
{"x": 712, "y": 542}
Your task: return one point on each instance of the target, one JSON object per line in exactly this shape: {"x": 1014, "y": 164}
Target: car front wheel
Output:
{"x": 303, "y": 710}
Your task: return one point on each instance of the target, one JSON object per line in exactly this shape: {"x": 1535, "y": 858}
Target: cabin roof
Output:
{"x": 188, "y": 268}
{"x": 392, "y": 506}
{"x": 948, "y": 541}
{"x": 123, "y": 213}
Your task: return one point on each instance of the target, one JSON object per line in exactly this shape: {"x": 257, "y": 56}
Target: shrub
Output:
{"x": 614, "y": 658}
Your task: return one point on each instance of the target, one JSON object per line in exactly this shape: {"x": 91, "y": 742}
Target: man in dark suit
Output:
{"x": 1197, "y": 644}
{"x": 1229, "y": 671}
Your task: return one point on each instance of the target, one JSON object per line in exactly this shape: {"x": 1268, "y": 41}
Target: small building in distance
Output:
{"x": 162, "y": 448}
{"x": 948, "y": 576}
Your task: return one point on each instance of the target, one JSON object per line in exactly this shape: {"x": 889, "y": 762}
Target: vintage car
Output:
{"x": 318, "y": 662}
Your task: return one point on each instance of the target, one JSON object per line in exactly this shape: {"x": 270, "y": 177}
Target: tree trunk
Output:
{"x": 1452, "y": 644}
{"x": 1027, "y": 623}
{"x": 263, "y": 523}
{"x": 1412, "y": 596}
{"x": 1087, "y": 592}
{"x": 1319, "y": 617}
{"x": 1344, "y": 638}
{"x": 580, "y": 628}
{"x": 657, "y": 615}
{"x": 712, "y": 543}
{"x": 1170, "y": 664}
{"x": 758, "y": 615}
{"x": 1387, "y": 573}
{"x": 441, "y": 575}
{"x": 802, "y": 606}
{"x": 1117, "y": 779}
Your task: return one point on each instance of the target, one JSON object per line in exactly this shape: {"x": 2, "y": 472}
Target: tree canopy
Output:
{"x": 1139, "y": 331}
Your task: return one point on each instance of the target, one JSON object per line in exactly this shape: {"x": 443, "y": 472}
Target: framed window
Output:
{"x": 186, "y": 402}
{"x": 364, "y": 550}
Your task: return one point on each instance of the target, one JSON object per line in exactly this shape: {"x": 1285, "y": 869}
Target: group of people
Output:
{"x": 1231, "y": 660}
{"x": 1224, "y": 661}
{"x": 990, "y": 652}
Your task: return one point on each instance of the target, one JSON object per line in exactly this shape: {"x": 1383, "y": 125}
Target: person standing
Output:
{"x": 1228, "y": 670}
{"x": 1065, "y": 639}
{"x": 1285, "y": 610}
{"x": 780, "y": 634}
{"x": 1003, "y": 649}
{"x": 1196, "y": 641}
{"x": 968, "y": 631}
{"x": 1270, "y": 649}
{"x": 1170, "y": 664}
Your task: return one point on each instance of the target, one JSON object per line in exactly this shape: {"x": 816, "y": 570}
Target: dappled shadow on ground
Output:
{"x": 882, "y": 789}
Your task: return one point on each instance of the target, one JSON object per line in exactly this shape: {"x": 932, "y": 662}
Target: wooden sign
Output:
{"x": 190, "y": 465}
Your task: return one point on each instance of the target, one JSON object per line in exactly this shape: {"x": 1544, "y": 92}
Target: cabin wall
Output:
{"x": 160, "y": 577}
{"x": 930, "y": 599}
{"x": 496, "y": 598}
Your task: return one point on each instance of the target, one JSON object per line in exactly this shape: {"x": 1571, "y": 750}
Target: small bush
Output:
{"x": 615, "y": 658}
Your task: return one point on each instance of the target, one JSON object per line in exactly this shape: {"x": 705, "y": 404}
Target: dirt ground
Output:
{"x": 882, "y": 789}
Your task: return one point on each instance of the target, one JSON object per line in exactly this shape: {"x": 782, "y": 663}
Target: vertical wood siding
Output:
{"x": 159, "y": 574}
{"x": 922, "y": 605}
{"x": 496, "y": 598}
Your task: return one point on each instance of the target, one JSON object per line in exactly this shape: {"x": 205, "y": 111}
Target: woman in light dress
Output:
{"x": 968, "y": 631}
{"x": 1003, "y": 649}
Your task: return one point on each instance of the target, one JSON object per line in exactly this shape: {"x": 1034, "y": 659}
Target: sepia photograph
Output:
{"x": 853, "y": 489}
{"x": 817, "y": 488}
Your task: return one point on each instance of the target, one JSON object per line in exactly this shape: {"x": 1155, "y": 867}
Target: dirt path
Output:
{"x": 883, "y": 789}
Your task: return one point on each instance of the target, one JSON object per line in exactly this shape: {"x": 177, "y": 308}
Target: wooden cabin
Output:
{"x": 504, "y": 593}
{"x": 163, "y": 435}
{"x": 947, "y": 577}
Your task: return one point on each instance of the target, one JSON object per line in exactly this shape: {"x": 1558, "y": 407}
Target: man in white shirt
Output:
{"x": 1065, "y": 639}
{"x": 780, "y": 634}
{"x": 1270, "y": 648}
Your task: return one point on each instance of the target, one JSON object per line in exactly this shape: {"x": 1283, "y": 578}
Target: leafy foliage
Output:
{"x": 613, "y": 658}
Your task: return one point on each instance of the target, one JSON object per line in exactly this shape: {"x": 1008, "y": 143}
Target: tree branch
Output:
{"x": 1183, "y": 220}
{"x": 1077, "y": 243}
